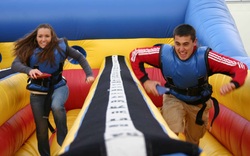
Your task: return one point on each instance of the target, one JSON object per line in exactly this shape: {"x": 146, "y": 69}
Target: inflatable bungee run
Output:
{"x": 114, "y": 116}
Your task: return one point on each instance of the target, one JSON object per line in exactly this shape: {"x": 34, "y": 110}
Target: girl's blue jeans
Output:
{"x": 59, "y": 98}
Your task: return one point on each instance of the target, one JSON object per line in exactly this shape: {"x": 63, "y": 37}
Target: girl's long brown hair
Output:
{"x": 24, "y": 47}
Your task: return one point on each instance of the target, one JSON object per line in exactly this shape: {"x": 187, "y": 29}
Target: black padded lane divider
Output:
{"x": 118, "y": 120}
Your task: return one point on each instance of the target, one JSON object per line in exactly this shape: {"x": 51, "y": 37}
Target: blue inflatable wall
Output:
{"x": 98, "y": 19}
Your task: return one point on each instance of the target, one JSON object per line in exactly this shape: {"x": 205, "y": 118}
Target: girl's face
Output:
{"x": 43, "y": 37}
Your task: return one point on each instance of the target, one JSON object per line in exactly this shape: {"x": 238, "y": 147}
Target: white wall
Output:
{"x": 241, "y": 14}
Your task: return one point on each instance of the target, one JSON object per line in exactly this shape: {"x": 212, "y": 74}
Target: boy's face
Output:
{"x": 184, "y": 46}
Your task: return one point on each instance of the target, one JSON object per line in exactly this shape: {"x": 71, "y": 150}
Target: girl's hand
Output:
{"x": 34, "y": 73}
{"x": 90, "y": 79}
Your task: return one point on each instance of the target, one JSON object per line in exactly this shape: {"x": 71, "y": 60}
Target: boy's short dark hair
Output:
{"x": 185, "y": 30}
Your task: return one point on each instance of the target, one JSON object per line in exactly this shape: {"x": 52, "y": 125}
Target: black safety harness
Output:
{"x": 197, "y": 91}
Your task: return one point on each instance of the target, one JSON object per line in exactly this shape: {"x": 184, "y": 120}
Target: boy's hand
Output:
{"x": 226, "y": 88}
